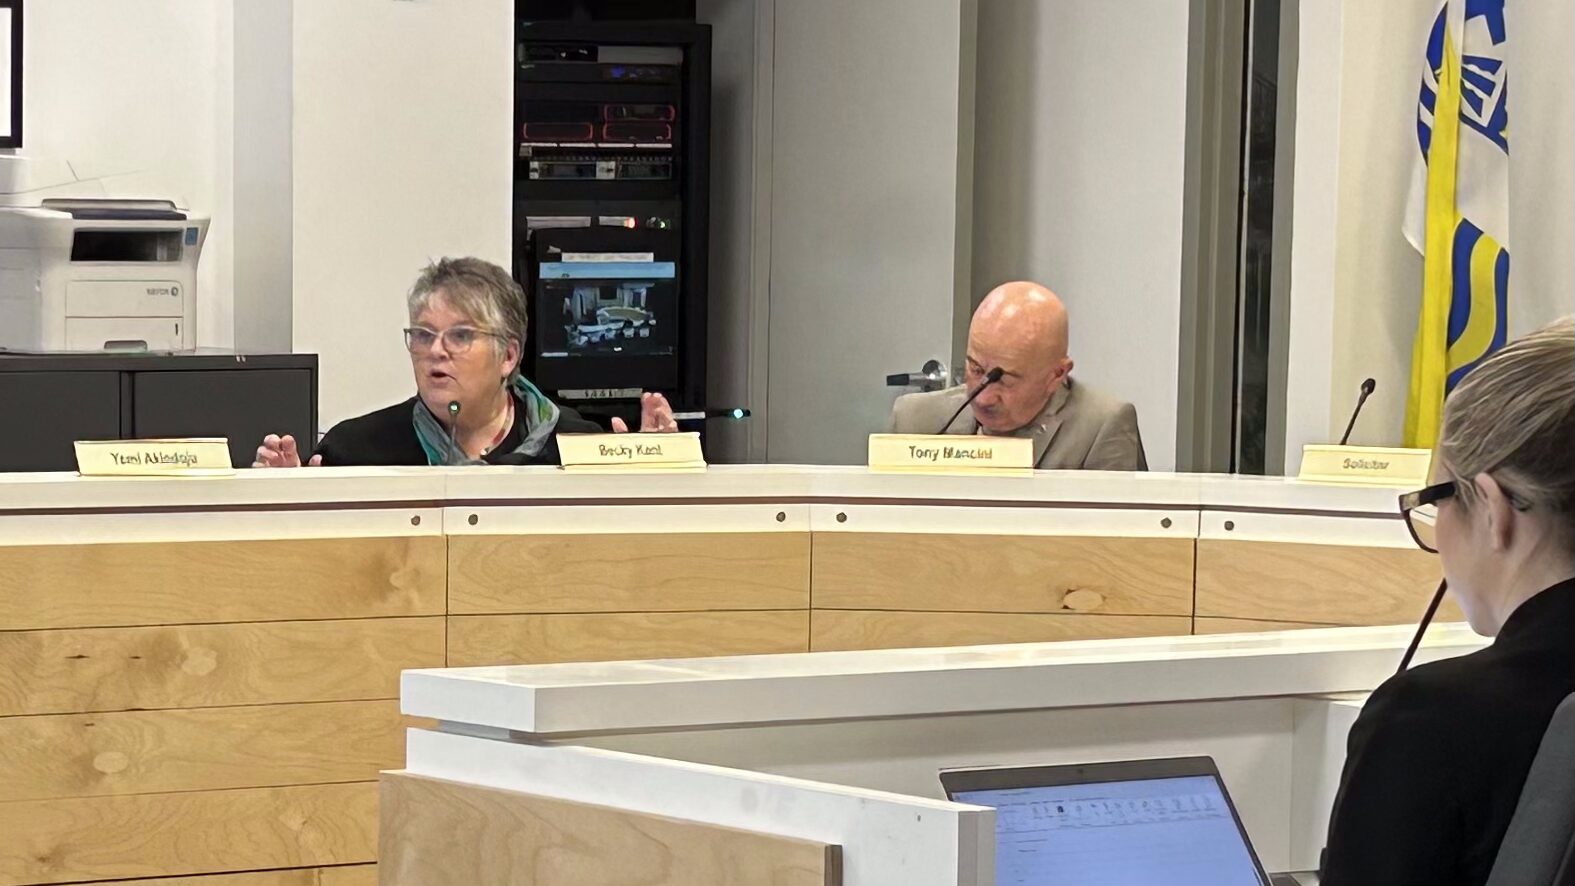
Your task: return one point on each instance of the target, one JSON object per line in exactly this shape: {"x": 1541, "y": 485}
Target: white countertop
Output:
{"x": 478, "y": 486}
{"x": 567, "y": 699}
{"x": 247, "y": 488}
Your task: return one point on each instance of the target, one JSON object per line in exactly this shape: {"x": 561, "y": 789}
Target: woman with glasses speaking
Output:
{"x": 1437, "y": 759}
{"x": 472, "y": 405}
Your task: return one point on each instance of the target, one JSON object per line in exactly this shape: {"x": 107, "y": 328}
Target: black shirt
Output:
{"x": 1436, "y": 760}
{"x": 388, "y": 437}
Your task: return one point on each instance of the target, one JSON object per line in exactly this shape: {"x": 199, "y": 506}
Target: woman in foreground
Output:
{"x": 1437, "y": 759}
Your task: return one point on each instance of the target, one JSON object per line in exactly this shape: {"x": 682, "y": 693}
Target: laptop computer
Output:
{"x": 1163, "y": 822}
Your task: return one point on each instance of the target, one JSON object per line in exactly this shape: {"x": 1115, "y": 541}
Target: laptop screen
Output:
{"x": 1173, "y": 831}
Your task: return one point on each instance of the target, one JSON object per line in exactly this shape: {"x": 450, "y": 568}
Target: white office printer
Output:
{"x": 92, "y": 274}
{"x": 87, "y": 273}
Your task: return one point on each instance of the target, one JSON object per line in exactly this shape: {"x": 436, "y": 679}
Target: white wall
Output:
{"x": 1314, "y": 224}
{"x": 866, "y": 139}
{"x": 135, "y": 94}
{"x": 1542, "y": 173}
{"x": 1378, "y": 276}
{"x": 402, "y": 150}
{"x": 260, "y": 156}
{"x": 1357, "y": 283}
{"x": 1079, "y": 144}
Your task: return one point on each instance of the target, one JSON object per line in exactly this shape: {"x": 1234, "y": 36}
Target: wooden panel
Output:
{"x": 147, "y": 752}
{"x": 349, "y": 875}
{"x": 70, "y": 586}
{"x": 1324, "y": 584}
{"x": 343, "y": 875}
{"x": 991, "y": 573}
{"x": 291, "y": 877}
{"x": 439, "y": 833}
{"x": 673, "y": 572}
{"x": 189, "y": 666}
{"x": 157, "y": 835}
{"x": 1248, "y": 625}
{"x": 844, "y": 630}
{"x": 475, "y": 640}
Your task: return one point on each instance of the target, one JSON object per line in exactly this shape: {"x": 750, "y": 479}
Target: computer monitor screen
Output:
{"x": 1157, "y": 832}
{"x": 607, "y": 309}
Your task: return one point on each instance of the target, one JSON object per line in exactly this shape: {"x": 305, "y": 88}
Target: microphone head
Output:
{"x": 453, "y": 408}
{"x": 994, "y": 375}
{"x": 1369, "y": 386}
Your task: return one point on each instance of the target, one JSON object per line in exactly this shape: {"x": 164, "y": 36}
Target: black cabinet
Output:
{"x": 50, "y": 401}
{"x": 46, "y": 411}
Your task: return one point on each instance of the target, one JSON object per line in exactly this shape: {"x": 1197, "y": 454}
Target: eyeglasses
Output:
{"x": 1420, "y": 510}
{"x": 973, "y": 373}
{"x": 456, "y": 339}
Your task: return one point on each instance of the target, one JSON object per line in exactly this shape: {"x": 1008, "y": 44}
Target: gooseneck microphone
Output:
{"x": 990, "y": 378}
{"x": 453, "y": 431}
{"x": 1367, "y": 391}
{"x": 1427, "y": 618}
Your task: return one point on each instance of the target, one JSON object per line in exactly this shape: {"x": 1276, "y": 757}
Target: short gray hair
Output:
{"x": 1514, "y": 417}
{"x": 479, "y": 289}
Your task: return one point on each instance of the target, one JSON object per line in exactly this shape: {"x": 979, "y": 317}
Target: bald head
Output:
{"x": 1024, "y": 317}
{"x": 1021, "y": 327}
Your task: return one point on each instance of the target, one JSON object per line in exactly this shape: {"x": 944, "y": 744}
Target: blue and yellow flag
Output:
{"x": 1458, "y": 216}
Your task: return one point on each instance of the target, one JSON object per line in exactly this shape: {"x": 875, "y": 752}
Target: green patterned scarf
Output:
{"x": 541, "y": 419}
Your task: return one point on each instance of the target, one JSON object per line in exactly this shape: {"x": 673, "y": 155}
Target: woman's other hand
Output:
{"x": 281, "y": 452}
{"x": 656, "y": 416}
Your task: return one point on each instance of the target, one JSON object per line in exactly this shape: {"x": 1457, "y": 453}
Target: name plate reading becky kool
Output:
{"x": 950, "y": 453}
{"x": 1366, "y": 465}
{"x": 631, "y": 452}
{"x": 203, "y": 457}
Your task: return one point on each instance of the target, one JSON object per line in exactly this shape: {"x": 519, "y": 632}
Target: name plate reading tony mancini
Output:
{"x": 950, "y": 453}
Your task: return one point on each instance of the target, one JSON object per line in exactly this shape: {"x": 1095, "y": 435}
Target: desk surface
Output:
{"x": 495, "y": 486}
{"x": 647, "y": 695}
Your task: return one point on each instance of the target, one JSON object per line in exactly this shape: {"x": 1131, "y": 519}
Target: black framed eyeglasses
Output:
{"x": 1420, "y": 510}
{"x": 456, "y": 339}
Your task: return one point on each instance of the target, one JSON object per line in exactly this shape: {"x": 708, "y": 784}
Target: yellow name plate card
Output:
{"x": 631, "y": 452}
{"x": 1366, "y": 465}
{"x": 950, "y": 453}
{"x": 202, "y": 457}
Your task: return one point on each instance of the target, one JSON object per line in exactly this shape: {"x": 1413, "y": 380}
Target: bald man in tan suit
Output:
{"x": 1023, "y": 329}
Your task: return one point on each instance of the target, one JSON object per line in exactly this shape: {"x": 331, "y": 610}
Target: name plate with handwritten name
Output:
{"x": 1366, "y": 465}
{"x": 631, "y": 452}
{"x": 201, "y": 457}
{"x": 950, "y": 453}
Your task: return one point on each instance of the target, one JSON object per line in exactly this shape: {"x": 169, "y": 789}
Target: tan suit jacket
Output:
{"x": 1080, "y": 428}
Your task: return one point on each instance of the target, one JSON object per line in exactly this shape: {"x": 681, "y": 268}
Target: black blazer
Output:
{"x": 388, "y": 437}
{"x": 1438, "y": 756}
